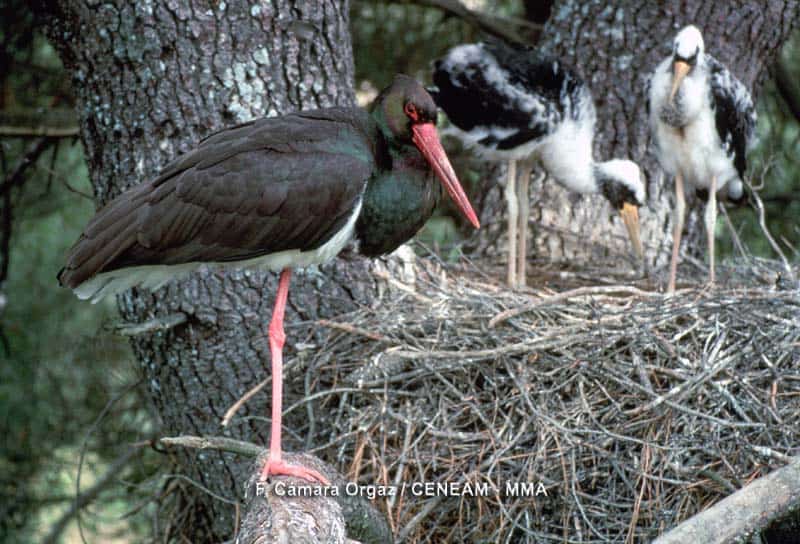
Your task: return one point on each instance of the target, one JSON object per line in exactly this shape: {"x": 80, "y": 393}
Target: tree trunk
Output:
{"x": 615, "y": 46}
{"x": 153, "y": 78}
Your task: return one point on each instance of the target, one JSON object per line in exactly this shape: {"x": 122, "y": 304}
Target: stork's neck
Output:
{"x": 691, "y": 97}
{"x": 391, "y": 143}
{"x": 379, "y": 117}
{"x": 567, "y": 158}
{"x": 693, "y": 92}
{"x": 400, "y": 196}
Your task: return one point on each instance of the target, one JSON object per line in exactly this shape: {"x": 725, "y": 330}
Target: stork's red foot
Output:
{"x": 280, "y": 468}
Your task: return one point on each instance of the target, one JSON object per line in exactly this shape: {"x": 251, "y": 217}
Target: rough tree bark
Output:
{"x": 152, "y": 78}
{"x": 614, "y": 46}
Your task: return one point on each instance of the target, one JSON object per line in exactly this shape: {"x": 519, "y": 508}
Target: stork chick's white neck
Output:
{"x": 692, "y": 95}
{"x": 567, "y": 154}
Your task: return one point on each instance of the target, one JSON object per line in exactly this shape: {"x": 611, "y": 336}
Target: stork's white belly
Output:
{"x": 695, "y": 151}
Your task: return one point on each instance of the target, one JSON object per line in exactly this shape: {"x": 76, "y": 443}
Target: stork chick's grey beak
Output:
{"x": 679, "y": 71}
{"x": 427, "y": 141}
{"x": 630, "y": 215}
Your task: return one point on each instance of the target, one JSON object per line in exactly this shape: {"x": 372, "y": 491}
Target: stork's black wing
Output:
{"x": 734, "y": 113}
{"x": 507, "y": 95}
{"x": 270, "y": 185}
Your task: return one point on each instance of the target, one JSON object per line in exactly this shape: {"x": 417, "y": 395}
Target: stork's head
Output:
{"x": 622, "y": 184}
{"x": 407, "y": 114}
{"x": 687, "y": 52}
{"x": 403, "y": 105}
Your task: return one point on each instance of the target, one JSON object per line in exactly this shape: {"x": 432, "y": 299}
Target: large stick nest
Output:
{"x": 634, "y": 409}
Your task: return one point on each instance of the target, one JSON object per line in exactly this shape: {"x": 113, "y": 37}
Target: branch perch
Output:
{"x": 30, "y": 123}
{"x": 271, "y": 517}
{"x": 739, "y": 515}
{"x": 157, "y": 324}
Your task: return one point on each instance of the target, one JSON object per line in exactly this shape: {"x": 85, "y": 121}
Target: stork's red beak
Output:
{"x": 630, "y": 215}
{"x": 427, "y": 140}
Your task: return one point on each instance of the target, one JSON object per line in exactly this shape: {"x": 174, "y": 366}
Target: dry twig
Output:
{"x": 566, "y": 394}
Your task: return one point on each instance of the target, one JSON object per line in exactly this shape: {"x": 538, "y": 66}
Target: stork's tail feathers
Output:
{"x": 739, "y": 193}
{"x": 109, "y": 234}
{"x": 150, "y": 277}
{"x": 735, "y": 193}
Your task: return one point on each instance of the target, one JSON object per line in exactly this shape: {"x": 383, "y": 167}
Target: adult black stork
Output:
{"x": 703, "y": 121}
{"x": 509, "y": 103}
{"x": 276, "y": 193}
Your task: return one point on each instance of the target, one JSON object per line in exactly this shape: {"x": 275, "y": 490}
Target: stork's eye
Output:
{"x": 411, "y": 111}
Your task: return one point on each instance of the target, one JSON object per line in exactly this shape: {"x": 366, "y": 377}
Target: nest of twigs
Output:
{"x": 633, "y": 409}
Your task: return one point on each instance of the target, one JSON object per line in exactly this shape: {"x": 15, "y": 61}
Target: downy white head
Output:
{"x": 621, "y": 183}
{"x": 687, "y": 52}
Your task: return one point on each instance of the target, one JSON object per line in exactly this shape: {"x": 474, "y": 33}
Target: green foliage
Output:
{"x": 58, "y": 369}
{"x": 775, "y": 166}
{"x": 390, "y": 38}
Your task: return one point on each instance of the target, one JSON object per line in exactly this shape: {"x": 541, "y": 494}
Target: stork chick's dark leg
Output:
{"x": 511, "y": 203}
{"x": 680, "y": 208}
{"x": 524, "y": 207}
{"x": 711, "y": 223}
{"x": 275, "y": 465}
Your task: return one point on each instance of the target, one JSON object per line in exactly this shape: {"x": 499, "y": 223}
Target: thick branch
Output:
{"x": 272, "y": 515}
{"x": 157, "y": 324}
{"x": 748, "y": 510}
{"x": 261, "y": 525}
{"x": 15, "y": 179}
{"x": 28, "y": 123}
{"x": 218, "y": 443}
{"x": 787, "y": 88}
{"x": 502, "y": 27}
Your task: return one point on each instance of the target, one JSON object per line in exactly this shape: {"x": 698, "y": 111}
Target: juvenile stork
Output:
{"x": 275, "y": 193}
{"x": 510, "y": 104}
{"x": 703, "y": 121}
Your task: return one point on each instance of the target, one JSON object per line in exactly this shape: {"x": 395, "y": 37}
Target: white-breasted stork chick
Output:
{"x": 509, "y": 103}
{"x": 702, "y": 121}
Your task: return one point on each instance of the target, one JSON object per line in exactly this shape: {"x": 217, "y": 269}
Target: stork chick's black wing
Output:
{"x": 734, "y": 113}
{"x": 276, "y": 184}
{"x": 509, "y": 95}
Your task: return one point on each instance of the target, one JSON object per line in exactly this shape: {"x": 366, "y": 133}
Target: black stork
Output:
{"x": 275, "y": 193}
{"x": 512, "y": 104}
{"x": 703, "y": 121}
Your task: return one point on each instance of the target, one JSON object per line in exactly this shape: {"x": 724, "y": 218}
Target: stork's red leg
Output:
{"x": 680, "y": 210}
{"x": 711, "y": 222}
{"x": 275, "y": 465}
{"x": 524, "y": 210}
{"x": 513, "y": 208}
